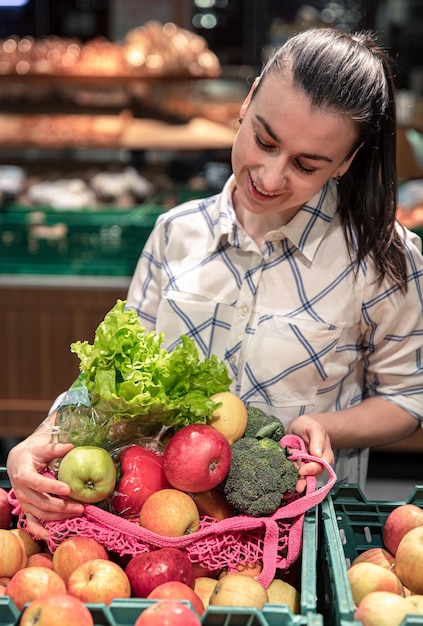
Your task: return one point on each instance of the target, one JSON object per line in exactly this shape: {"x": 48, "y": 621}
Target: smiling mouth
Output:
{"x": 261, "y": 191}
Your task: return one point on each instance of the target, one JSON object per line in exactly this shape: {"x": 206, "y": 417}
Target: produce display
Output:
{"x": 168, "y": 578}
{"x": 379, "y": 582}
{"x": 388, "y": 585}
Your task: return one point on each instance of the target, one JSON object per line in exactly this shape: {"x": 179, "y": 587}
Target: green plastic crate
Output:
{"x": 105, "y": 242}
{"x": 4, "y": 479}
{"x": 10, "y": 615}
{"x": 123, "y": 612}
{"x": 350, "y": 524}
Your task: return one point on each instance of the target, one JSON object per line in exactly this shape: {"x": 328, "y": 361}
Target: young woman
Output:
{"x": 296, "y": 274}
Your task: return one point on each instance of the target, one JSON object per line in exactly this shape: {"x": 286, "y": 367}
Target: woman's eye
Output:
{"x": 303, "y": 169}
{"x": 269, "y": 147}
{"x": 261, "y": 144}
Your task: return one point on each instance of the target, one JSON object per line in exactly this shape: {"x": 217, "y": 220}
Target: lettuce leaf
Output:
{"x": 128, "y": 373}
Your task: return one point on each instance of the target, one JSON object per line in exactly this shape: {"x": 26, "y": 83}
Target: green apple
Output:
{"x": 90, "y": 472}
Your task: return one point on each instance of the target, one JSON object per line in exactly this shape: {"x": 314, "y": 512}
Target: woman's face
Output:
{"x": 286, "y": 150}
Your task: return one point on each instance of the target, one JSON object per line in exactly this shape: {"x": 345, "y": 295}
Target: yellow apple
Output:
{"x": 366, "y": 577}
{"x": 237, "y": 589}
{"x": 409, "y": 560}
{"x": 12, "y": 553}
{"x": 281, "y": 592}
{"x": 31, "y": 545}
{"x": 381, "y": 608}
{"x": 415, "y": 603}
{"x": 99, "y": 580}
{"x": 204, "y": 587}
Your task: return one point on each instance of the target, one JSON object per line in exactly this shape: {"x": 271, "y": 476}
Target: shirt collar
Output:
{"x": 305, "y": 230}
{"x": 308, "y": 227}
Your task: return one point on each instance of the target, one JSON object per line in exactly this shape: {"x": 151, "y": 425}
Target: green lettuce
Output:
{"x": 128, "y": 373}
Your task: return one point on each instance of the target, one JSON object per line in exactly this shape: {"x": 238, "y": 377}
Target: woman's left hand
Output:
{"x": 317, "y": 443}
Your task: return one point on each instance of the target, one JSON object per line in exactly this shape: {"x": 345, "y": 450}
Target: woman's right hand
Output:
{"x": 40, "y": 496}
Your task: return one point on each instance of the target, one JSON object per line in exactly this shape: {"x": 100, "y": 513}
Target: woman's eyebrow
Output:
{"x": 314, "y": 157}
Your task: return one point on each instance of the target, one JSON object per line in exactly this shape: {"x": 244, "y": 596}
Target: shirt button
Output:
{"x": 244, "y": 310}
{"x": 232, "y": 360}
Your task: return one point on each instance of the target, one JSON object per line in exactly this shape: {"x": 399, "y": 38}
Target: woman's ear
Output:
{"x": 346, "y": 164}
{"x": 247, "y": 100}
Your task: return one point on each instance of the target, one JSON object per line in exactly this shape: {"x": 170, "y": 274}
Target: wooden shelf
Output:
{"x": 112, "y": 131}
{"x": 37, "y": 326}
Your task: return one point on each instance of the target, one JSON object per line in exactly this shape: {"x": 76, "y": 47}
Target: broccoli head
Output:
{"x": 261, "y": 425}
{"x": 259, "y": 475}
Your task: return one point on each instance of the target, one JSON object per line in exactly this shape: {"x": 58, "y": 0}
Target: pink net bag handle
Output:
{"x": 294, "y": 510}
{"x": 312, "y": 496}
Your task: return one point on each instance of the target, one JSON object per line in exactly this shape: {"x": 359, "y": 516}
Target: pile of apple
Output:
{"x": 165, "y": 491}
{"x": 387, "y": 582}
{"x": 56, "y": 586}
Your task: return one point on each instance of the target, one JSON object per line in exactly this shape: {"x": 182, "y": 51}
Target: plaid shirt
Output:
{"x": 299, "y": 331}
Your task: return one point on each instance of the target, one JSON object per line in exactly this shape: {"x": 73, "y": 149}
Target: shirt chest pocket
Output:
{"x": 288, "y": 360}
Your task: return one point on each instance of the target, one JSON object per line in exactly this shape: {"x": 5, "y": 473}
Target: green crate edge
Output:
{"x": 336, "y": 592}
{"x": 10, "y": 615}
{"x": 136, "y": 225}
{"x": 121, "y": 610}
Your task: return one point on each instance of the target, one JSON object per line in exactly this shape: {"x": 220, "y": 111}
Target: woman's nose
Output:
{"x": 273, "y": 175}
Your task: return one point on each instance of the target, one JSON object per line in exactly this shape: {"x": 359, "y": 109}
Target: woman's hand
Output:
{"x": 40, "y": 497}
{"x": 317, "y": 443}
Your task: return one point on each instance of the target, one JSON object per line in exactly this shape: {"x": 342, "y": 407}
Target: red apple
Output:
{"x": 381, "y": 608}
{"x": 31, "y": 583}
{"x": 175, "y": 590}
{"x": 12, "y": 553}
{"x": 149, "y": 569}
{"x": 74, "y": 551}
{"x": 99, "y": 580}
{"x": 56, "y": 609}
{"x": 90, "y": 472}
{"x": 170, "y": 513}
{"x": 32, "y": 546}
{"x": 399, "y": 521}
{"x": 141, "y": 474}
{"x": 379, "y": 556}
{"x": 197, "y": 458}
{"x": 5, "y": 510}
{"x": 365, "y": 577}
{"x": 40, "y": 559}
{"x": 409, "y": 560}
{"x": 167, "y": 613}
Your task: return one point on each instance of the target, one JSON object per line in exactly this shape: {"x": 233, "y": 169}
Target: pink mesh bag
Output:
{"x": 276, "y": 540}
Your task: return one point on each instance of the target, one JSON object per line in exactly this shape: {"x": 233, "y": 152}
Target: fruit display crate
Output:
{"x": 349, "y": 524}
{"x": 124, "y": 612}
{"x": 106, "y": 242}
